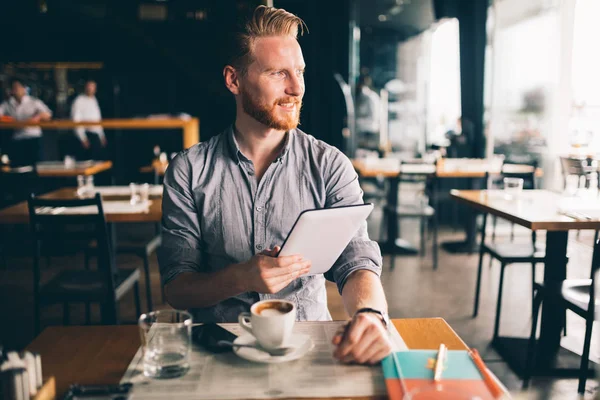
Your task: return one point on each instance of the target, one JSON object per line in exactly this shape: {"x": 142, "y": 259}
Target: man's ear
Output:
{"x": 232, "y": 81}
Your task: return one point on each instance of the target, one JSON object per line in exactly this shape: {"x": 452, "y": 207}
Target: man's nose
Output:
{"x": 295, "y": 86}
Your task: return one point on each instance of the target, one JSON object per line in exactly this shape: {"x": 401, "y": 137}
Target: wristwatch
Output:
{"x": 385, "y": 319}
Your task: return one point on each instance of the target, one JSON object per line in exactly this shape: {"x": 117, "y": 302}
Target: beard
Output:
{"x": 266, "y": 114}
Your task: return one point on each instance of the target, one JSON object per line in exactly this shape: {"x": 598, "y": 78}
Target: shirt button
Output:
{"x": 259, "y": 247}
{"x": 251, "y": 173}
{"x": 259, "y": 208}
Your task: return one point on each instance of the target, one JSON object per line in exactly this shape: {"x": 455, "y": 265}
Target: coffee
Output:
{"x": 270, "y": 312}
{"x": 271, "y": 322}
{"x": 272, "y": 308}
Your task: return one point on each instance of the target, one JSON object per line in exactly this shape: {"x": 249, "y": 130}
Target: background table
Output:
{"x": 56, "y": 170}
{"x": 189, "y": 127}
{"x": 454, "y": 168}
{"x": 101, "y": 354}
{"x": 19, "y": 213}
{"x": 537, "y": 210}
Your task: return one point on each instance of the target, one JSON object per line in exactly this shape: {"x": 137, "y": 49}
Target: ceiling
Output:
{"x": 405, "y": 17}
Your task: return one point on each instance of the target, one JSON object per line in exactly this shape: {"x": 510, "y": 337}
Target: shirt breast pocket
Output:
{"x": 295, "y": 200}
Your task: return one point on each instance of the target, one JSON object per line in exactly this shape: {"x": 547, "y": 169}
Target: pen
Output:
{"x": 489, "y": 381}
{"x": 400, "y": 376}
{"x": 439, "y": 362}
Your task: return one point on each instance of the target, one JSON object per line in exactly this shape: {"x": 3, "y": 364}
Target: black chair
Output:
{"x": 577, "y": 295}
{"x": 506, "y": 254}
{"x": 419, "y": 209}
{"x": 17, "y": 183}
{"x": 580, "y": 167}
{"x": 15, "y": 186}
{"x": 106, "y": 285}
{"x": 142, "y": 248}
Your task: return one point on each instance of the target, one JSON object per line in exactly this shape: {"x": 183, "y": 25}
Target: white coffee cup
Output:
{"x": 270, "y": 321}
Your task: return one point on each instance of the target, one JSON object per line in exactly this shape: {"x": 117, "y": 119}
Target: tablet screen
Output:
{"x": 321, "y": 235}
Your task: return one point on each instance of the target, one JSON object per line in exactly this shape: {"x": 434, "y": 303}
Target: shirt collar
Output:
{"x": 237, "y": 154}
{"x": 234, "y": 149}
{"x": 15, "y": 103}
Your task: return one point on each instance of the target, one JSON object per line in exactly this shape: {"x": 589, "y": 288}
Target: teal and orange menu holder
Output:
{"x": 460, "y": 374}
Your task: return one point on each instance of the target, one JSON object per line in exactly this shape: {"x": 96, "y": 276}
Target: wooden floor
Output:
{"x": 413, "y": 289}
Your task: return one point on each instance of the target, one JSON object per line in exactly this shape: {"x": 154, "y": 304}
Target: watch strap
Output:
{"x": 384, "y": 318}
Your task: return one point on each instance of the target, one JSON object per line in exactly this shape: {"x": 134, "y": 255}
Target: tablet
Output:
{"x": 321, "y": 235}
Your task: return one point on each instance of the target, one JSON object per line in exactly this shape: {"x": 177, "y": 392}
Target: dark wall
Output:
{"x": 472, "y": 16}
{"x": 378, "y": 54}
{"x": 326, "y": 51}
{"x": 175, "y": 65}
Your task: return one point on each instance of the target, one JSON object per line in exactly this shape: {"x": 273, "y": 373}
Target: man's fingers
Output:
{"x": 380, "y": 354}
{"x": 266, "y": 252}
{"x": 337, "y": 339}
{"x": 339, "y": 335}
{"x": 286, "y": 261}
{"x": 367, "y": 340}
{"x": 352, "y": 338}
{"x": 278, "y": 282}
{"x": 294, "y": 269}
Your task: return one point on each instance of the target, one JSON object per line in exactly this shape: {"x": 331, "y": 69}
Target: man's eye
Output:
{"x": 278, "y": 73}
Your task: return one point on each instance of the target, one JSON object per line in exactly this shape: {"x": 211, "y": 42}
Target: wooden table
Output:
{"x": 536, "y": 210}
{"x": 57, "y": 169}
{"x": 189, "y": 127}
{"x": 101, "y": 354}
{"x": 445, "y": 168}
{"x": 19, "y": 213}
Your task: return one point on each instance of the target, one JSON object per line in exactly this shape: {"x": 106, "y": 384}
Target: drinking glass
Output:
{"x": 513, "y": 187}
{"x": 496, "y": 163}
{"x": 135, "y": 197}
{"x": 69, "y": 162}
{"x": 144, "y": 190}
{"x": 166, "y": 343}
{"x": 81, "y": 188}
{"x": 89, "y": 183}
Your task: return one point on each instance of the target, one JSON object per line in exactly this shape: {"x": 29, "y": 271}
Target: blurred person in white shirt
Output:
{"x": 90, "y": 143}
{"x": 25, "y": 146}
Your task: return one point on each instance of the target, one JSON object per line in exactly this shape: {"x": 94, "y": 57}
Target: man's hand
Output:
{"x": 85, "y": 144}
{"x": 265, "y": 273}
{"x": 364, "y": 340}
{"x": 40, "y": 116}
{"x": 103, "y": 141}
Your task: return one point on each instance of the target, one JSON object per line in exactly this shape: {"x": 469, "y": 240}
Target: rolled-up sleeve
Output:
{"x": 181, "y": 235}
{"x": 361, "y": 253}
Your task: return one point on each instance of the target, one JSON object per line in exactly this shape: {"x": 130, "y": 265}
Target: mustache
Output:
{"x": 284, "y": 100}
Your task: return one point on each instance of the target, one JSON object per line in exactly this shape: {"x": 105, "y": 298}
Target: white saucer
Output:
{"x": 301, "y": 343}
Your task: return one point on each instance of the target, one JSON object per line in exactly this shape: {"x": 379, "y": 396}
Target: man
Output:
{"x": 90, "y": 143}
{"x": 25, "y": 147}
{"x": 368, "y": 104}
{"x": 227, "y": 201}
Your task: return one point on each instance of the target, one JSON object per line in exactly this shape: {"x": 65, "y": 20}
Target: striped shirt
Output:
{"x": 216, "y": 213}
